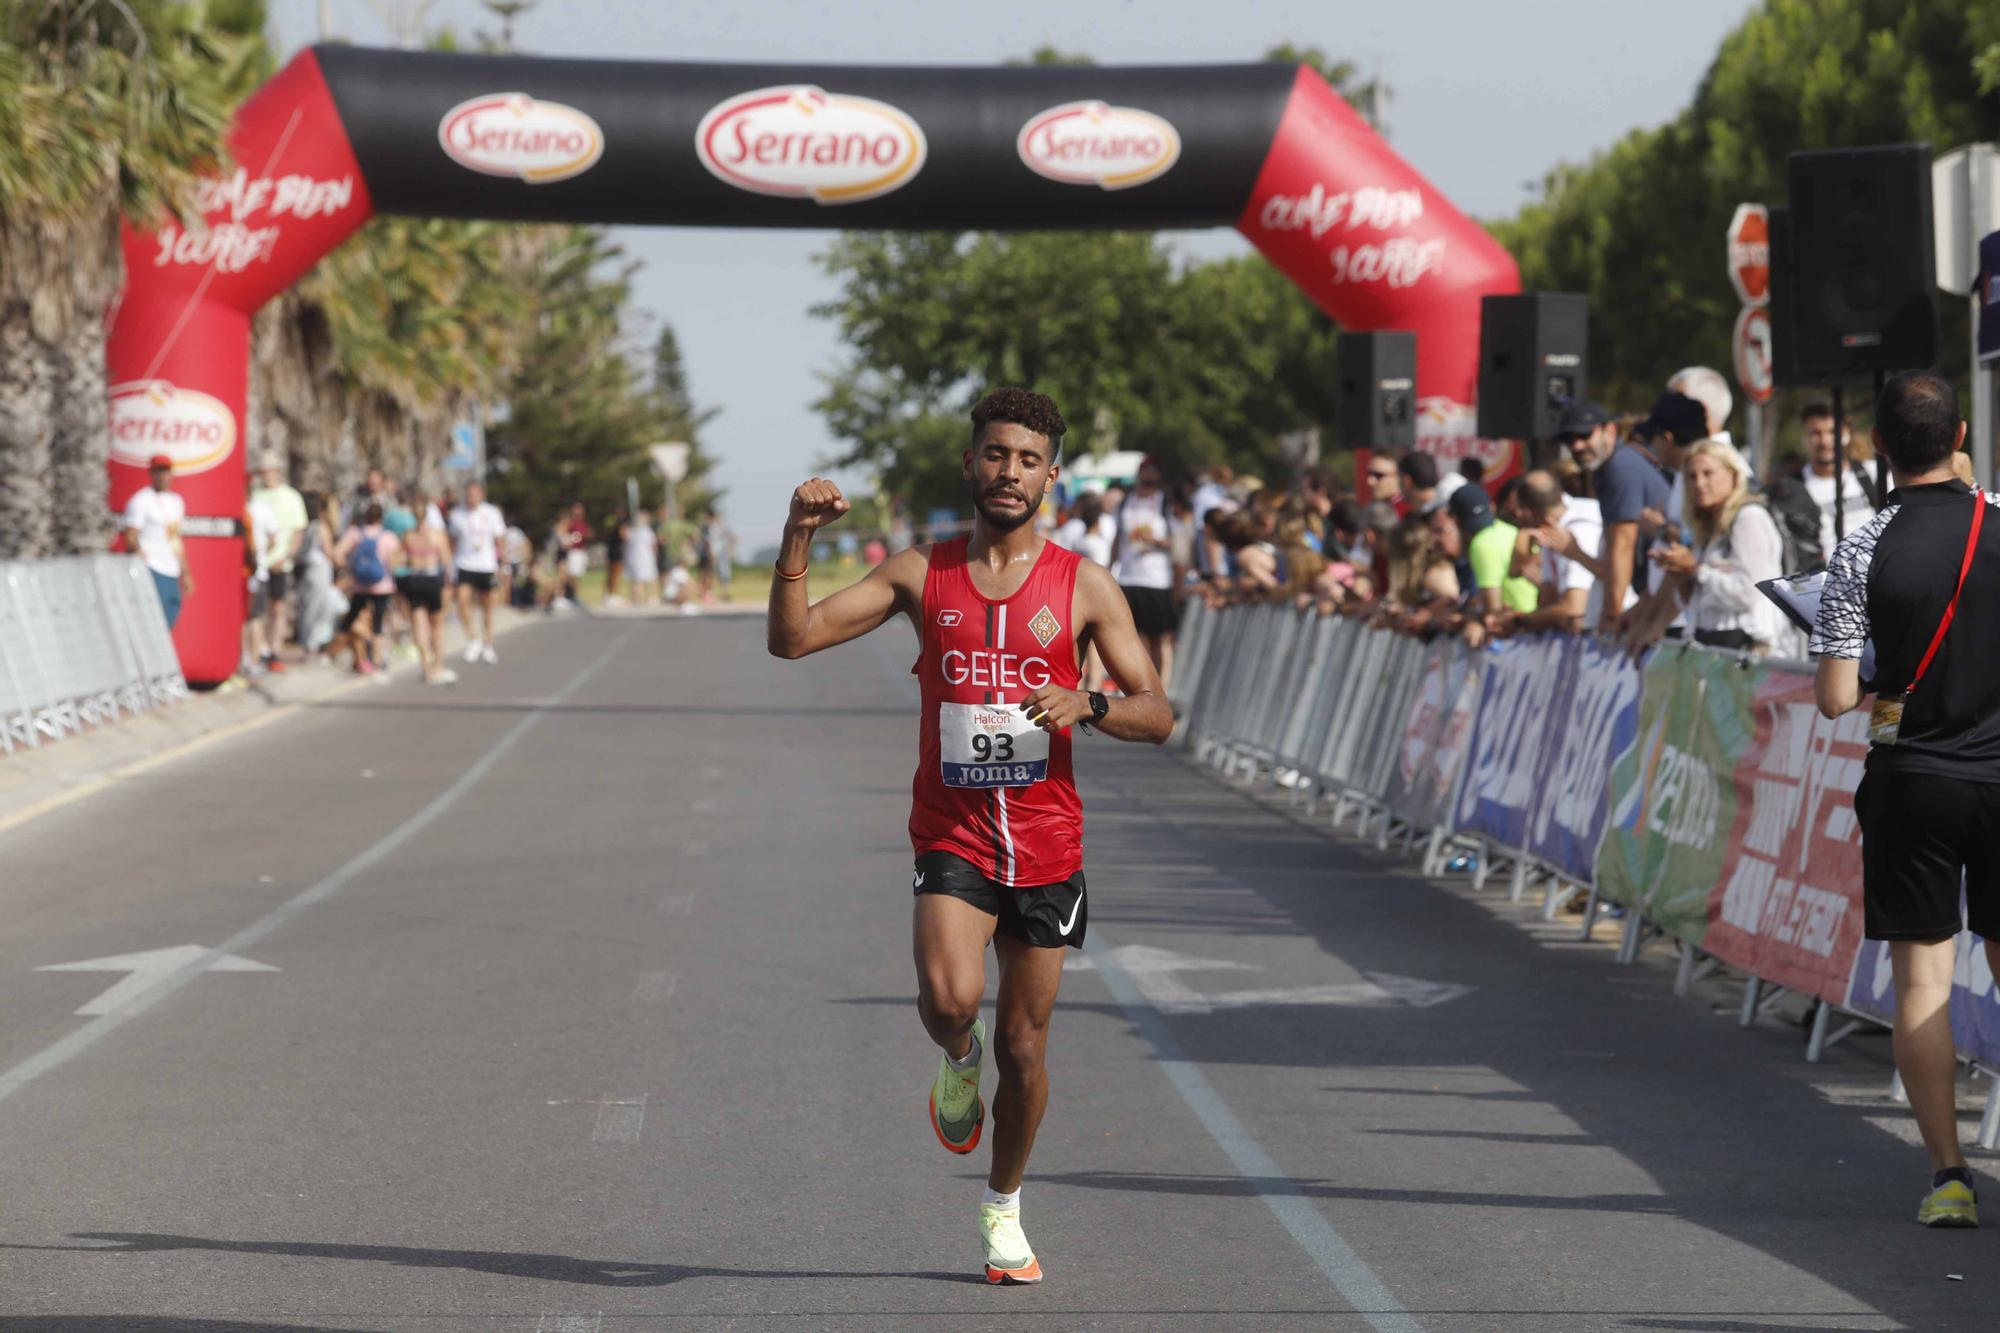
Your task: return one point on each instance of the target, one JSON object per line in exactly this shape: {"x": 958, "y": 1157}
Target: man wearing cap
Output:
{"x": 1675, "y": 425}
{"x": 153, "y": 519}
{"x": 1489, "y": 554}
{"x": 286, "y": 509}
{"x": 1626, "y": 482}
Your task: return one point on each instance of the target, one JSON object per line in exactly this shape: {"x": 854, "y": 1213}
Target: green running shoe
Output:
{"x": 1008, "y": 1258}
{"x": 958, "y": 1112}
{"x": 1952, "y": 1204}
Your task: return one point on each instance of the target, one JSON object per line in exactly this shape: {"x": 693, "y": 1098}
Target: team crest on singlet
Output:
{"x": 1045, "y": 626}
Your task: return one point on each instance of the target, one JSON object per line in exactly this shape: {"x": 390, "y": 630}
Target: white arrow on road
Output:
{"x": 148, "y": 970}
{"x": 1154, "y": 973}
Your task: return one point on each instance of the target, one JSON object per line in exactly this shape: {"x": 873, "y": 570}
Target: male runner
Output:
{"x": 1004, "y": 618}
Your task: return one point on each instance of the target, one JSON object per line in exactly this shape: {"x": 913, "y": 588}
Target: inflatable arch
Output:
{"x": 344, "y": 132}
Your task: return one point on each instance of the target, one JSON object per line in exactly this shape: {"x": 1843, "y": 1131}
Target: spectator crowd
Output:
{"x": 1636, "y": 526}
{"x": 364, "y": 579}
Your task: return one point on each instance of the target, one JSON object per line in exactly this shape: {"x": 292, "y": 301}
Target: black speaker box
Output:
{"x": 1377, "y": 405}
{"x": 1864, "y": 261}
{"x": 1533, "y": 358}
{"x": 1786, "y": 371}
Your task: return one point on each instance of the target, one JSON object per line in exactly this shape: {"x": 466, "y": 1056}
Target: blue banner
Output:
{"x": 1599, "y": 689}
{"x": 1510, "y": 739}
{"x": 1975, "y": 1000}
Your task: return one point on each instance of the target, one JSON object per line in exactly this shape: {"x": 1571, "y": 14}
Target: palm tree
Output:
{"x": 106, "y": 106}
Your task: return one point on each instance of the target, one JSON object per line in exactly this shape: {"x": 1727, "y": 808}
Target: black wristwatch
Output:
{"x": 1099, "y": 706}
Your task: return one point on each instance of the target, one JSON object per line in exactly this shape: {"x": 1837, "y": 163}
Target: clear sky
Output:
{"x": 1486, "y": 97}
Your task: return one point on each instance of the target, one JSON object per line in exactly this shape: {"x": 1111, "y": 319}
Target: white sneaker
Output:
{"x": 487, "y": 655}
{"x": 472, "y": 650}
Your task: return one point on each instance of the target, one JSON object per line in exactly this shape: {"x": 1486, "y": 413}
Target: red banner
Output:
{"x": 1788, "y": 905}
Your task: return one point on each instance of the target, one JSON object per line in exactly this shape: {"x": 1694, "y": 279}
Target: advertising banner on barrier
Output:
{"x": 1511, "y": 739}
{"x": 1975, "y": 1000}
{"x": 1672, "y": 799}
{"x": 1432, "y": 753}
{"x": 1788, "y": 901}
{"x": 1599, "y": 687}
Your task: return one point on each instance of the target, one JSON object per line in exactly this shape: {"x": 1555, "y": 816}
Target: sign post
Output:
{"x": 1749, "y": 248}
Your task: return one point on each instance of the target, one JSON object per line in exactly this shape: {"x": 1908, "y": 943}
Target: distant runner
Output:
{"x": 1004, "y": 617}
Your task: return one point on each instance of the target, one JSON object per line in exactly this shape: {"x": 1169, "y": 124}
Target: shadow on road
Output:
{"x": 125, "y": 1323}
{"x": 1630, "y": 1085}
{"x": 500, "y": 1263}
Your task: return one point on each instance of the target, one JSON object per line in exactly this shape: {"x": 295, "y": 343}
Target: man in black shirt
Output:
{"x": 1921, "y": 583}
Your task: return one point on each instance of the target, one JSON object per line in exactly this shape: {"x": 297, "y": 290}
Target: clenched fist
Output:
{"x": 816, "y": 504}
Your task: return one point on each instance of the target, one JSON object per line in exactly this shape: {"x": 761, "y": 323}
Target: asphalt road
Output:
{"x": 592, "y": 1011}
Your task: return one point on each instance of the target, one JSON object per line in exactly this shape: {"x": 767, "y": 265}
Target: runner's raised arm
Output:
{"x": 797, "y": 626}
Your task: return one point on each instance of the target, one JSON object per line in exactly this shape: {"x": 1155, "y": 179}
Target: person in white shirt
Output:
{"x": 1572, "y": 534}
{"x": 476, "y": 530}
{"x": 642, "y": 560}
{"x": 1144, "y": 565}
{"x": 1089, "y": 531}
{"x": 268, "y": 543}
{"x": 153, "y": 520}
{"x": 1857, "y": 496}
{"x": 1736, "y": 546}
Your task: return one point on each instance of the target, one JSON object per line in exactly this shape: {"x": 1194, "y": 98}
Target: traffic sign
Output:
{"x": 1750, "y": 254}
{"x": 1752, "y": 345}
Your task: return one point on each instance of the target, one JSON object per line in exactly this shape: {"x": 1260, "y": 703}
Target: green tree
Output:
{"x": 106, "y": 106}
{"x": 580, "y": 412}
{"x": 1194, "y": 362}
{"x": 1640, "y": 226}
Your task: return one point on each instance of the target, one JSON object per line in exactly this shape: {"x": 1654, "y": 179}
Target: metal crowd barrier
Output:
{"x": 83, "y": 641}
{"x": 1325, "y": 705}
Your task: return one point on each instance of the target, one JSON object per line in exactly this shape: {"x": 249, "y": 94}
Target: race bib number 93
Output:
{"x": 991, "y": 745}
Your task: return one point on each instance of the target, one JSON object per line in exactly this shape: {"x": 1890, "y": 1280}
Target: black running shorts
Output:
{"x": 479, "y": 580}
{"x": 1919, "y": 831}
{"x": 1153, "y": 611}
{"x": 1048, "y": 916}
{"x": 424, "y": 592}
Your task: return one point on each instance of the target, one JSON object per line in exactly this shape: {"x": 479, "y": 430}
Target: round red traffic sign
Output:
{"x": 1750, "y": 253}
{"x": 1752, "y": 344}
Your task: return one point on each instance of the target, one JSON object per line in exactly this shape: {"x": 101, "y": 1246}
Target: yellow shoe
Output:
{"x": 1952, "y": 1204}
{"x": 958, "y": 1113}
{"x": 1008, "y": 1258}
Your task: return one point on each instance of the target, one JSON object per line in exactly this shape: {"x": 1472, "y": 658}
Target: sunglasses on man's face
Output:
{"x": 1373, "y": 475}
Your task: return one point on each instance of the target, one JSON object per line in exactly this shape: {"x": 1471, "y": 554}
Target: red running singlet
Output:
{"x": 991, "y": 787}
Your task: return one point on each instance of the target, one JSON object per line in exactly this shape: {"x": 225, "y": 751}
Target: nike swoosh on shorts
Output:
{"x": 1072, "y": 913}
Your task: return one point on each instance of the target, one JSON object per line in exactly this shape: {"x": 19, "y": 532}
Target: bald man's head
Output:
{"x": 1541, "y": 493}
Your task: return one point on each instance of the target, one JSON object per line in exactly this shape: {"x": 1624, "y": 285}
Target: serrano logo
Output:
{"x": 511, "y": 134}
{"x": 800, "y": 142}
{"x": 153, "y": 417}
{"x": 1090, "y": 143}
{"x": 949, "y": 618}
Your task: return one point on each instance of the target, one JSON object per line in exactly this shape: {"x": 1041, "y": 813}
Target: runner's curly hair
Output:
{"x": 1023, "y": 407}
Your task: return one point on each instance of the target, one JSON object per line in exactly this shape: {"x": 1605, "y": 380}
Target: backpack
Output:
{"x": 1798, "y": 519}
{"x": 364, "y": 562}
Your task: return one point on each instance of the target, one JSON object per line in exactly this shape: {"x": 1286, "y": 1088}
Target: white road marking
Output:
{"x": 1331, "y": 1254}
{"x": 1155, "y": 975}
{"x": 148, "y": 970}
{"x": 61, "y": 1052}
{"x": 676, "y": 904}
{"x": 619, "y": 1120}
{"x": 654, "y": 988}
{"x": 569, "y": 1323}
